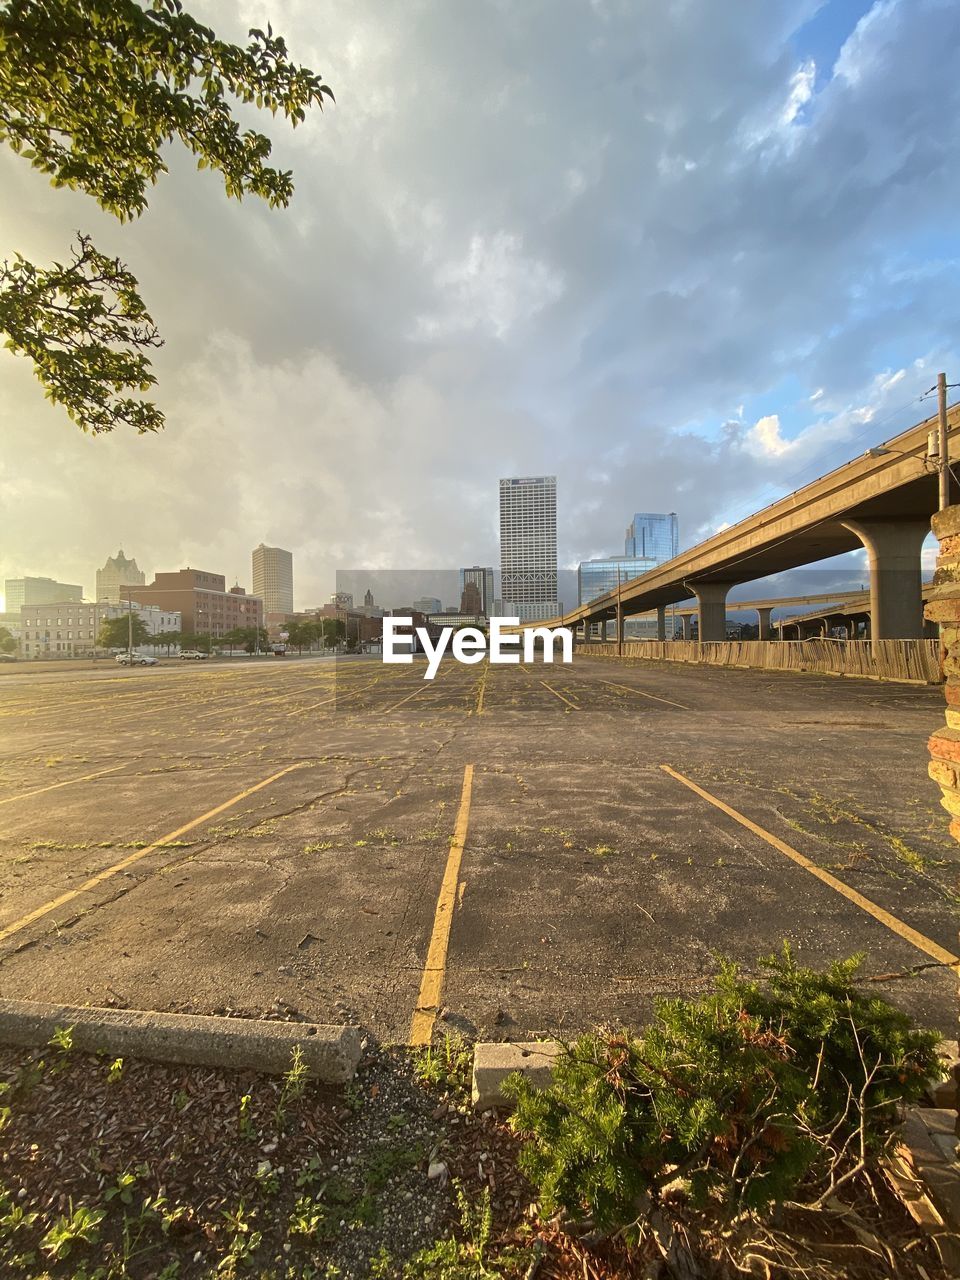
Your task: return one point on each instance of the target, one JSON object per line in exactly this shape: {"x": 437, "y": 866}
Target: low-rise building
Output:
{"x": 203, "y": 601}
{"x": 70, "y": 628}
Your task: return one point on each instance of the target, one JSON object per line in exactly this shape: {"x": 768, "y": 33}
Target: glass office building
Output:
{"x": 653, "y": 535}
{"x": 597, "y": 577}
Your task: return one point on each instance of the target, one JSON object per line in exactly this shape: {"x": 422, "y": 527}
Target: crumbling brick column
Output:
{"x": 943, "y": 607}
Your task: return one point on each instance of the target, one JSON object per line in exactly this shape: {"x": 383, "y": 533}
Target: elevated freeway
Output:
{"x": 882, "y": 501}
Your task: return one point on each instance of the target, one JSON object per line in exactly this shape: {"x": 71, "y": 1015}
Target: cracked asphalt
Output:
{"x": 272, "y": 836}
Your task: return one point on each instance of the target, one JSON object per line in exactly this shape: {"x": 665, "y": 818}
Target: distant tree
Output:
{"x": 332, "y": 631}
{"x": 257, "y": 639}
{"x": 7, "y": 642}
{"x": 115, "y": 633}
{"x": 199, "y": 643}
{"x": 91, "y": 91}
{"x": 166, "y": 640}
{"x": 299, "y": 634}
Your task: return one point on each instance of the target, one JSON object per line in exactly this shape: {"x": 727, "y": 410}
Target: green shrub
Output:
{"x": 738, "y": 1099}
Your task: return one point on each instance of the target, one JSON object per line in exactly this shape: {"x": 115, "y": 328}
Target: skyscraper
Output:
{"x": 482, "y": 579}
{"x": 21, "y": 591}
{"x": 116, "y": 573}
{"x": 273, "y": 578}
{"x": 528, "y": 547}
{"x": 653, "y": 535}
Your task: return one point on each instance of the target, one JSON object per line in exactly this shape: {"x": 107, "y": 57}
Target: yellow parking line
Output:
{"x": 573, "y": 705}
{"x": 117, "y": 867}
{"x": 431, "y": 985}
{"x": 641, "y": 693}
{"x": 918, "y": 940}
{"x": 555, "y": 693}
{"x": 87, "y": 777}
{"x": 481, "y": 688}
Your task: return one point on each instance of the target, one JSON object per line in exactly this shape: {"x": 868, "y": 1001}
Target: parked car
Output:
{"x": 136, "y": 660}
{"x": 193, "y": 653}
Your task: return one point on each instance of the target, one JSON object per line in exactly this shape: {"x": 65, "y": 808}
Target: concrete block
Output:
{"x": 493, "y": 1062}
{"x": 950, "y": 800}
{"x": 951, "y": 691}
{"x": 942, "y": 1091}
{"x": 331, "y": 1053}
{"x": 945, "y": 524}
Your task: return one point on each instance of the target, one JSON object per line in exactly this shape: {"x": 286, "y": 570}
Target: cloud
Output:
{"x": 540, "y": 238}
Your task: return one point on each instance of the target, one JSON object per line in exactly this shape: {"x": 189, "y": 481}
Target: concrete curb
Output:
{"x": 331, "y": 1053}
{"x": 493, "y": 1061}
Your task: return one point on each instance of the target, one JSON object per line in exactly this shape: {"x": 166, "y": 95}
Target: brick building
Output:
{"x": 207, "y": 607}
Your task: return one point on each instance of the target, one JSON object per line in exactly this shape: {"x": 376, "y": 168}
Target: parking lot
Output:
{"x": 512, "y": 851}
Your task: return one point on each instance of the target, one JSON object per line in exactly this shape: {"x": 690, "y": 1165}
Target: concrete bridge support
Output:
{"x": 766, "y": 631}
{"x": 686, "y": 625}
{"x": 661, "y": 622}
{"x": 893, "y": 550}
{"x": 712, "y": 599}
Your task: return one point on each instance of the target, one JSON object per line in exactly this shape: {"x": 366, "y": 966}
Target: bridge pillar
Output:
{"x": 620, "y": 622}
{"x": 686, "y": 625}
{"x": 661, "y": 622}
{"x": 763, "y": 616}
{"x": 712, "y": 599}
{"x": 893, "y": 550}
{"x": 853, "y": 627}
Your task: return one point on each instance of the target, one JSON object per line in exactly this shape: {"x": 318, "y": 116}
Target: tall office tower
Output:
{"x": 482, "y": 579}
{"x": 21, "y": 591}
{"x": 273, "y": 578}
{"x": 528, "y": 547}
{"x": 116, "y": 573}
{"x": 654, "y": 536}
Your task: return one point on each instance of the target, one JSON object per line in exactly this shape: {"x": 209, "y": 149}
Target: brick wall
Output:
{"x": 944, "y": 607}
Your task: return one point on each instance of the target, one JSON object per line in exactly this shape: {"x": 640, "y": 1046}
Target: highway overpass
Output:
{"x": 882, "y": 500}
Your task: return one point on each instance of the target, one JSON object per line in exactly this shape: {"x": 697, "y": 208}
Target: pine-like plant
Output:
{"x": 751, "y": 1096}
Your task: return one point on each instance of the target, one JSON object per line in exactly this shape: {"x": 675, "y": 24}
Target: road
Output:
{"x": 512, "y": 851}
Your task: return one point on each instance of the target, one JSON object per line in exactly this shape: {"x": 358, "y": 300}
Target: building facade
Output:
{"x": 273, "y": 578}
{"x": 482, "y": 579}
{"x": 653, "y": 535}
{"x": 117, "y": 573}
{"x": 597, "y": 577}
{"x": 21, "y": 591}
{"x": 528, "y": 547}
{"x": 201, "y": 598}
{"x": 69, "y": 629}
{"x": 428, "y": 604}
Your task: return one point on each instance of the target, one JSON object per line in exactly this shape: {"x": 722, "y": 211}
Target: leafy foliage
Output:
{"x": 87, "y": 331}
{"x": 116, "y": 632}
{"x": 90, "y": 93}
{"x": 740, "y": 1098}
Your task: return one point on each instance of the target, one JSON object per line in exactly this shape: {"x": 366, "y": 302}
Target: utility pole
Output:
{"x": 619, "y": 614}
{"x": 129, "y": 631}
{"x": 943, "y": 451}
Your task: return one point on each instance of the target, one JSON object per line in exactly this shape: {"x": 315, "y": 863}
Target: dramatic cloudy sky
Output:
{"x": 685, "y": 255}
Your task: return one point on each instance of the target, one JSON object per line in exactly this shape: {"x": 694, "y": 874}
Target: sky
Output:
{"x": 682, "y": 255}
